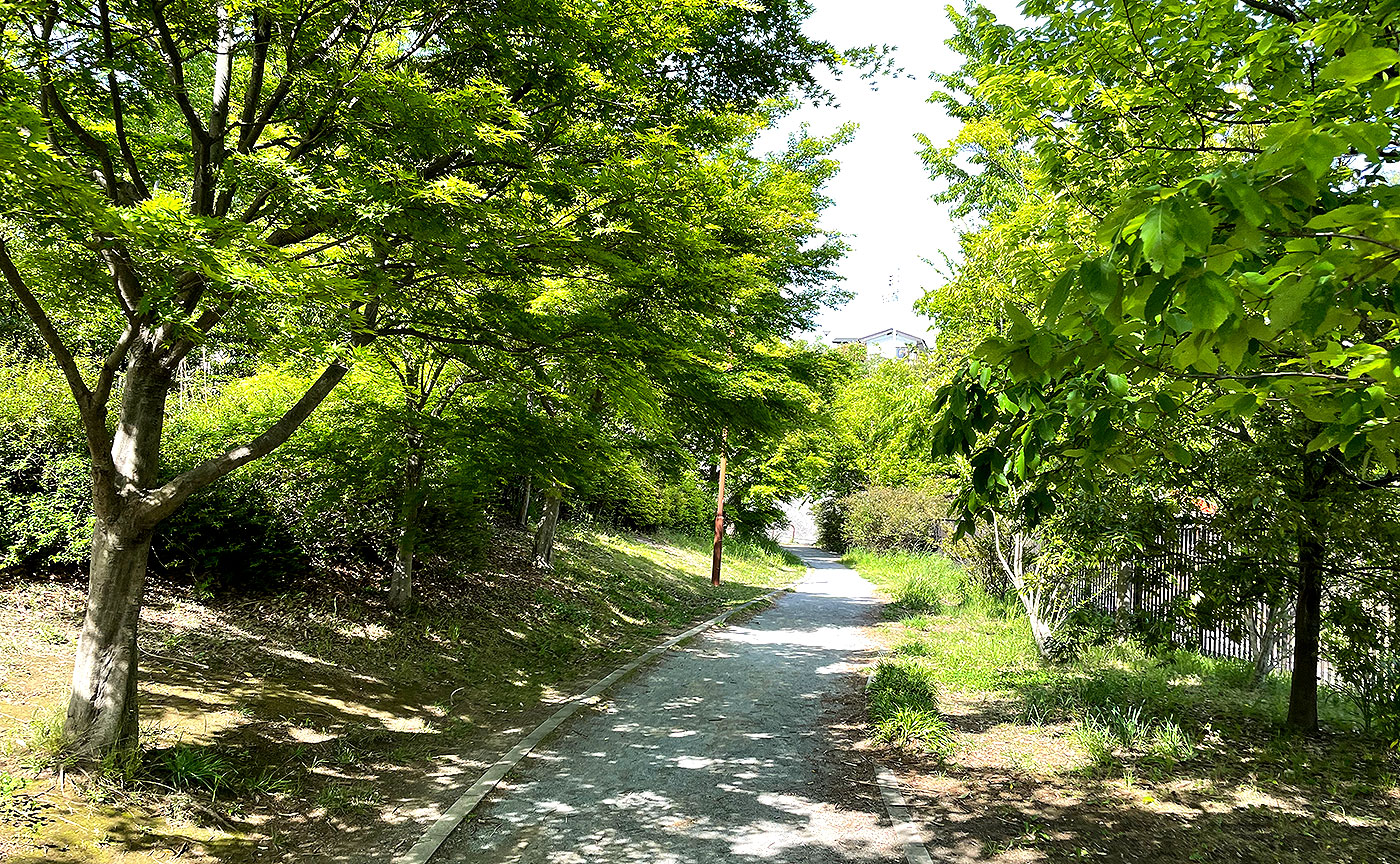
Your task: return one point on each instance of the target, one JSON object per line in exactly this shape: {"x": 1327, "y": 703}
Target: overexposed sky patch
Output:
{"x": 882, "y": 195}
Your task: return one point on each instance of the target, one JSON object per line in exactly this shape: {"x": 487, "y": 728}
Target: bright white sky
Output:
{"x": 882, "y": 195}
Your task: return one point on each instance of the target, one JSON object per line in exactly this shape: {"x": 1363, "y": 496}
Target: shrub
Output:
{"x": 229, "y": 537}
{"x": 889, "y": 519}
{"x": 830, "y": 518}
{"x": 1368, "y": 671}
{"x": 630, "y": 494}
{"x": 45, "y": 508}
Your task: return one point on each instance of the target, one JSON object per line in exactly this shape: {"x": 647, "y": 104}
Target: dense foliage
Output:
{"x": 389, "y": 259}
{"x": 1170, "y": 335}
{"x": 1212, "y": 318}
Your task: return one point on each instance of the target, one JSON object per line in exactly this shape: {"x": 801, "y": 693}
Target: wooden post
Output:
{"x": 719, "y": 511}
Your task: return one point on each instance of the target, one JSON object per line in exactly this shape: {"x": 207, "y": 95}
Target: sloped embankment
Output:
{"x": 298, "y": 726}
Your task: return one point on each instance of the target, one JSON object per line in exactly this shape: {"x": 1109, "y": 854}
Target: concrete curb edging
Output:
{"x": 438, "y": 833}
{"x": 915, "y": 852}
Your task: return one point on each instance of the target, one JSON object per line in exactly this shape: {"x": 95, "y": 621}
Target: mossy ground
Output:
{"x": 304, "y": 725}
{"x": 1118, "y": 755}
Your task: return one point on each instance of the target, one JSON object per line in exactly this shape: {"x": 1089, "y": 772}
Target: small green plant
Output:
{"x": 340, "y": 797}
{"x": 1097, "y": 740}
{"x": 903, "y": 703}
{"x": 1127, "y": 726}
{"x": 51, "y": 635}
{"x": 43, "y": 741}
{"x": 911, "y": 726}
{"x": 120, "y": 765}
{"x": 9, "y": 785}
{"x": 270, "y": 780}
{"x": 1170, "y": 743}
{"x": 900, "y": 683}
{"x": 189, "y": 767}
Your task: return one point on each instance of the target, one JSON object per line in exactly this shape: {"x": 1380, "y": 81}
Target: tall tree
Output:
{"x": 180, "y": 174}
{"x": 1238, "y": 159}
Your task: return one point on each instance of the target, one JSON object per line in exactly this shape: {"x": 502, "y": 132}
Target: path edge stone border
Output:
{"x": 915, "y": 852}
{"x": 432, "y": 839}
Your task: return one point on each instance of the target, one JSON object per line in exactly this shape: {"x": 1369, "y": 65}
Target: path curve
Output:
{"x": 714, "y": 753}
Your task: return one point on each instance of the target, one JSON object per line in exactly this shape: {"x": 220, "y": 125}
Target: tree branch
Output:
{"x": 160, "y": 503}
{"x": 176, "y": 65}
{"x": 1278, "y": 9}
{"x": 92, "y": 411}
{"x": 61, "y": 355}
{"x": 118, "y": 111}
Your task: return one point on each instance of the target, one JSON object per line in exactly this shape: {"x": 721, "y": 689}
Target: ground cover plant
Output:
{"x": 1118, "y": 754}
{"x": 300, "y": 725}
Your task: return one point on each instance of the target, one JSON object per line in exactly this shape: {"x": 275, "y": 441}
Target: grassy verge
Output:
{"x": 1118, "y": 754}
{"x": 301, "y": 725}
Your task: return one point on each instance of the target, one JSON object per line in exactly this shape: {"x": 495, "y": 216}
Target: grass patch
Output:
{"x": 1126, "y": 736}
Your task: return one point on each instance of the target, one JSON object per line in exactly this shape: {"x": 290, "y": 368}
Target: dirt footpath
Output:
{"x": 719, "y": 752}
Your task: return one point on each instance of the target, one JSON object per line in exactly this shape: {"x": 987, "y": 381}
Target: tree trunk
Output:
{"x": 102, "y": 705}
{"x": 1307, "y": 622}
{"x": 549, "y": 522}
{"x": 1268, "y": 638}
{"x": 523, "y": 520}
{"x": 1302, "y": 693}
{"x": 401, "y": 578}
{"x": 1032, "y": 599}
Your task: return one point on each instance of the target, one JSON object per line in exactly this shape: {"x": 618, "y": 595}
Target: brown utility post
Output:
{"x": 719, "y": 510}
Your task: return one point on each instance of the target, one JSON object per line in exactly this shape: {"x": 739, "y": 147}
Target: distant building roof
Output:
{"x": 888, "y": 331}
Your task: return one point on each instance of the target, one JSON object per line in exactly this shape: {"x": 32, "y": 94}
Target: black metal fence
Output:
{"x": 1157, "y": 584}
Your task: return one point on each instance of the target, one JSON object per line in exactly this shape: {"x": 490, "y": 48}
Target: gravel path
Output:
{"x": 715, "y": 753}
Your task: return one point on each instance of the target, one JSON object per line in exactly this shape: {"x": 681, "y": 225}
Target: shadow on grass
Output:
{"x": 319, "y": 710}
{"x": 996, "y": 816}
{"x": 1244, "y": 790}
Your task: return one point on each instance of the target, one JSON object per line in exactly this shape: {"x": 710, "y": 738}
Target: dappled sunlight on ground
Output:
{"x": 717, "y": 753}
{"x": 343, "y": 728}
{"x": 1029, "y": 779}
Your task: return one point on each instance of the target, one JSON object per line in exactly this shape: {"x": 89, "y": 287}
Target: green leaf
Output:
{"x": 1058, "y": 294}
{"x": 1101, "y": 280}
{"x": 1286, "y": 301}
{"x": 1360, "y": 64}
{"x": 1197, "y": 227}
{"x": 1161, "y": 239}
{"x": 1114, "y": 223}
{"x": 1208, "y": 301}
{"x": 1246, "y": 200}
{"x": 1019, "y": 322}
{"x": 1178, "y": 454}
{"x": 1042, "y": 348}
{"x": 1117, "y": 384}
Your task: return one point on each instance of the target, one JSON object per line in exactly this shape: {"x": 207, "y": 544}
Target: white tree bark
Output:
{"x": 1036, "y": 597}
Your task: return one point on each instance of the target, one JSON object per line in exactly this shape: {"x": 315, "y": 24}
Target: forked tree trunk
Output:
{"x": 1032, "y": 597}
{"x": 401, "y": 579}
{"x": 102, "y": 706}
{"x": 1268, "y": 638}
{"x": 127, "y": 506}
{"x": 549, "y": 523}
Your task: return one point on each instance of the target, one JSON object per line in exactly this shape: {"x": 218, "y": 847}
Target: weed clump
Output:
{"x": 903, "y": 702}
